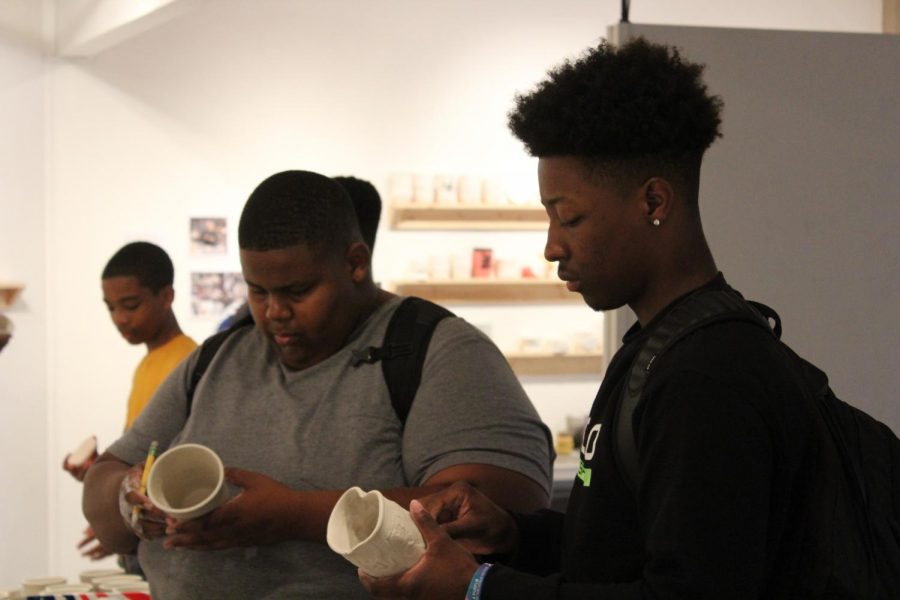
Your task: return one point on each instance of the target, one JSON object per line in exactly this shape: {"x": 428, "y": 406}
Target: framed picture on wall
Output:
{"x": 209, "y": 235}
{"x": 217, "y": 294}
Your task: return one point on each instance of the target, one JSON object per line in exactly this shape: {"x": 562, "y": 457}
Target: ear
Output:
{"x": 657, "y": 198}
{"x": 359, "y": 261}
{"x": 167, "y": 295}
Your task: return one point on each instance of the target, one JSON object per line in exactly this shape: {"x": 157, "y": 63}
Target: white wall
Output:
{"x": 24, "y": 431}
{"x": 186, "y": 119}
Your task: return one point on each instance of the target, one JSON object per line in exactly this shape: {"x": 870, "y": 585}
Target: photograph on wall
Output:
{"x": 209, "y": 235}
{"x": 217, "y": 294}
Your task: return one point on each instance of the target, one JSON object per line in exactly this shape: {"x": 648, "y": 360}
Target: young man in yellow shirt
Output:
{"x": 137, "y": 290}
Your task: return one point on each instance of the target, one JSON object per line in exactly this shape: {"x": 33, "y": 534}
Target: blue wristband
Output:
{"x": 477, "y": 582}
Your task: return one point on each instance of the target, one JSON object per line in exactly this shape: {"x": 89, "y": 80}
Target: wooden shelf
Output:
{"x": 556, "y": 364}
{"x": 470, "y": 291}
{"x": 9, "y": 292}
{"x": 474, "y": 217}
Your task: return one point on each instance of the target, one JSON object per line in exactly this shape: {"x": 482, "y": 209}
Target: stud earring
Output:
{"x": 656, "y": 222}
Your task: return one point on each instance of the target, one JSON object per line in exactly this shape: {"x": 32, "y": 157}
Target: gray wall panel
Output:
{"x": 801, "y": 197}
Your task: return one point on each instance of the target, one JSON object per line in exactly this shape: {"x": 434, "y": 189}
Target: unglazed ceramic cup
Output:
{"x": 374, "y": 533}
{"x": 68, "y": 588}
{"x": 187, "y": 481}
{"x": 34, "y": 586}
{"x": 91, "y": 574}
{"x": 85, "y": 454}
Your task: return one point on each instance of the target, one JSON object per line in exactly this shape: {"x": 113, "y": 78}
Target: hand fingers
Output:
{"x": 95, "y": 552}
{"x": 240, "y": 477}
{"x": 445, "y": 505}
{"x": 136, "y": 498}
{"x": 463, "y": 527}
{"x": 428, "y": 527}
{"x": 174, "y": 526}
{"x": 151, "y": 529}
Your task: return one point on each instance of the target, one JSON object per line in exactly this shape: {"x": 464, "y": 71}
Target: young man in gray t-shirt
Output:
{"x": 297, "y": 422}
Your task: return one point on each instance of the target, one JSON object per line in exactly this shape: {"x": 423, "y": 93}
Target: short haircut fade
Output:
{"x": 147, "y": 262}
{"x": 297, "y": 207}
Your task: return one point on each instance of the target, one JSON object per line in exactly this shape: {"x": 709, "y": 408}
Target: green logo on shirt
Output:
{"x": 584, "y": 474}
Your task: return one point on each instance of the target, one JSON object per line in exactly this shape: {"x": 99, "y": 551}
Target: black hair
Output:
{"x": 637, "y": 108}
{"x": 147, "y": 262}
{"x": 298, "y": 207}
{"x": 367, "y": 204}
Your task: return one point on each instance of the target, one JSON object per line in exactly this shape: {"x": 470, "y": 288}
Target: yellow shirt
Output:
{"x": 152, "y": 370}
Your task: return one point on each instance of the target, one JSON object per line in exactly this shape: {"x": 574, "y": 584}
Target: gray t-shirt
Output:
{"x": 328, "y": 427}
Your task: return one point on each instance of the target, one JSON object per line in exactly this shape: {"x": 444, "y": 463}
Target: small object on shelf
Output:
{"x": 445, "y": 190}
{"x": 565, "y": 443}
{"x": 469, "y": 190}
{"x": 439, "y": 268}
{"x": 481, "y": 262}
{"x": 530, "y": 345}
{"x": 460, "y": 267}
{"x": 423, "y": 189}
{"x": 9, "y": 291}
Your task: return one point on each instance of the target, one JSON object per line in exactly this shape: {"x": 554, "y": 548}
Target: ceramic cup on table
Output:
{"x": 374, "y": 533}
{"x": 36, "y": 585}
{"x": 187, "y": 482}
{"x": 108, "y": 583}
{"x": 89, "y": 575}
{"x": 68, "y": 588}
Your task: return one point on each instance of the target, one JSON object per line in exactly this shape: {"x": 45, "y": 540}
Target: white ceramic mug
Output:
{"x": 68, "y": 588}
{"x": 374, "y": 533}
{"x": 31, "y": 587}
{"x": 187, "y": 481}
{"x": 91, "y": 574}
{"x": 85, "y": 454}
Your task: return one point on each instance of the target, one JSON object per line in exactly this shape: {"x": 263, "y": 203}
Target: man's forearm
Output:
{"x": 100, "y": 504}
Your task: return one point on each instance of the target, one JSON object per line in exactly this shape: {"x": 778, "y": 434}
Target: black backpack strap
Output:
{"x": 207, "y": 351}
{"x": 698, "y": 310}
{"x": 402, "y": 353}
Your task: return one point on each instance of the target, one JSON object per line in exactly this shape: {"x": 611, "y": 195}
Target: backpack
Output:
{"x": 402, "y": 353}
{"x": 869, "y": 451}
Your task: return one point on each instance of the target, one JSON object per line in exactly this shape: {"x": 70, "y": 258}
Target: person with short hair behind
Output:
{"x": 731, "y": 468}
{"x": 366, "y": 204}
{"x": 297, "y": 419}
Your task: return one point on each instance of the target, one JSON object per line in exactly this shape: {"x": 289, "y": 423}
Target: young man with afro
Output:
{"x": 298, "y": 419}
{"x": 729, "y": 462}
